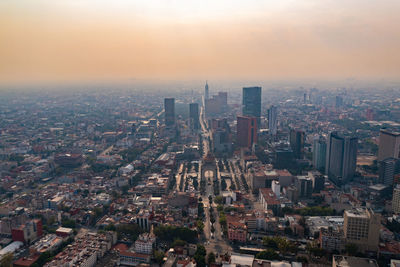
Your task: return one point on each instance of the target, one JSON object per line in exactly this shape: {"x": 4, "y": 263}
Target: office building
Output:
{"x": 396, "y": 200}
{"x": 252, "y": 102}
{"x": 389, "y": 145}
{"x": 272, "y": 120}
{"x": 339, "y": 101}
{"x": 361, "y": 228}
{"x": 223, "y": 99}
{"x": 194, "y": 115}
{"x": 216, "y": 105}
{"x": 319, "y": 153}
{"x": 206, "y": 92}
{"x": 304, "y": 186}
{"x": 221, "y": 136}
{"x": 296, "y": 140}
{"x": 341, "y": 158}
{"x": 246, "y": 131}
{"x": 318, "y": 181}
{"x": 387, "y": 169}
{"x": 169, "y": 108}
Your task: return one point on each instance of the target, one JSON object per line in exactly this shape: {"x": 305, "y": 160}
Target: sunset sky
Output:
{"x": 117, "y": 40}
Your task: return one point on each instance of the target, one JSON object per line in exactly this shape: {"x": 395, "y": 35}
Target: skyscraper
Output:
{"x": 216, "y": 104}
{"x": 296, "y": 140}
{"x": 272, "y": 120}
{"x": 206, "y": 92}
{"x": 194, "y": 115}
{"x": 246, "y": 131}
{"x": 341, "y": 158}
{"x": 304, "y": 185}
{"x": 388, "y": 168}
{"x": 389, "y": 145}
{"x": 339, "y": 101}
{"x": 252, "y": 102}
{"x": 319, "y": 153}
{"x": 169, "y": 107}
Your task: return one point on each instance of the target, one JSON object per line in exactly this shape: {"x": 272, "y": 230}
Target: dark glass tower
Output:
{"x": 194, "y": 115}
{"x": 169, "y": 106}
{"x": 252, "y": 102}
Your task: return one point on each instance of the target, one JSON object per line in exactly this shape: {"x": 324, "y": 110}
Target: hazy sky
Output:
{"x": 117, "y": 40}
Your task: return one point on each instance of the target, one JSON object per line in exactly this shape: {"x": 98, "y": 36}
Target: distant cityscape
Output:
{"x": 252, "y": 178}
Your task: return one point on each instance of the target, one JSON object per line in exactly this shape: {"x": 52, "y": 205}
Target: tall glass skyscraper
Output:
{"x": 341, "y": 158}
{"x": 194, "y": 115}
{"x": 169, "y": 107}
{"x": 252, "y": 102}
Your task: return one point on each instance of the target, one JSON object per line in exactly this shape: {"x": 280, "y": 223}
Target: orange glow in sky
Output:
{"x": 91, "y": 40}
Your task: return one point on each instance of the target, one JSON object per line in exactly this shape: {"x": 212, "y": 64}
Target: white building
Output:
{"x": 276, "y": 188}
{"x": 144, "y": 244}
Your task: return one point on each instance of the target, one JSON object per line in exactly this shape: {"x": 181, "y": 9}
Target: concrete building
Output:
{"x": 269, "y": 200}
{"x": 331, "y": 239}
{"x": 273, "y": 120}
{"x": 276, "y": 188}
{"x": 144, "y": 244}
{"x": 388, "y": 168}
{"x": 348, "y": 261}
{"x": 304, "y": 186}
{"x": 246, "y": 131}
{"x": 28, "y": 232}
{"x": 389, "y": 145}
{"x": 361, "y": 228}
{"x": 396, "y": 199}
{"x": 341, "y": 158}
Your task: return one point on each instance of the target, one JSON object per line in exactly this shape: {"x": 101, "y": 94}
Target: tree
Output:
{"x": 268, "y": 254}
{"x": 210, "y": 258}
{"x": 170, "y": 233}
{"x": 110, "y": 227}
{"x": 219, "y": 200}
{"x": 200, "y": 226}
{"x": 222, "y": 220}
{"x": 131, "y": 231}
{"x": 68, "y": 223}
{"x": 159, "y": 257}
{"x": 178, "y": 243}
{"x": 200, "y": 256}
{"x": 212, "y": 229}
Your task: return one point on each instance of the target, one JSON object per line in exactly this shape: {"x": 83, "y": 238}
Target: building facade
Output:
{"x": 361, "y": 228}
{"x": 273, "y": 120}
{"x": 246, "y": 131}
{"x": 389, "y": 145}
{"x": 169, "y": 109}
{"x": 341, "y": 158}
{"x": 252, "y": 102}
